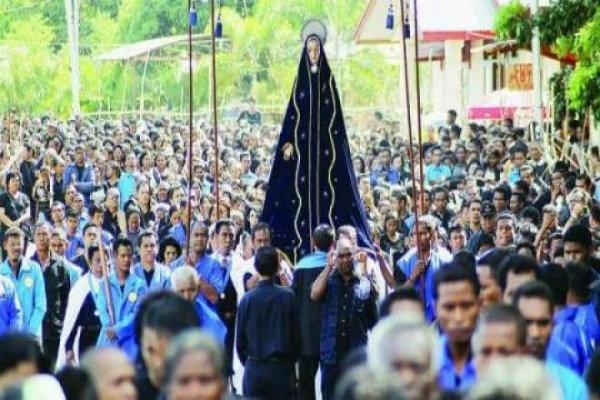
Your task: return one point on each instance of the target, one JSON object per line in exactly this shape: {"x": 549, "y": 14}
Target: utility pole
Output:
{"x": 537, "y": 72}
{"x": 72, "y": 10}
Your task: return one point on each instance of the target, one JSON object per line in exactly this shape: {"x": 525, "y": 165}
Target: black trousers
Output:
{"x": 307, "y": 371}
{"x": 269, "y": 380}
{"x": 330, "y": 375}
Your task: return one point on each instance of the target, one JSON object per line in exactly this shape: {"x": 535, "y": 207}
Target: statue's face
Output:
{"x": 314, "y": 51}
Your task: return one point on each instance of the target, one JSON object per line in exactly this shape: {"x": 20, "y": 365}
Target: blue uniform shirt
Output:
{"x": 210, "y": 321}
{"x": 160, "y": 277}
{"x": 178, "y": 233}
{"x": 408, "y": 263}
{"x": 11, "y": 317}
{"x": 31, "y": 292}
{"x": 587, "y": 319}
{"x": 448, "y": 379}
{"x": 571, "y": 385}
{"x": 125, "y": 305}
{"x": 437, "y": 173}
{"x": 209, "y": 269}
{"x": 569, "y": 345}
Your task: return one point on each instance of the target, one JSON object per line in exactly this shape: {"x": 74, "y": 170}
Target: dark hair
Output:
{"x": 557, "y": 279}
{"x": 144, "y": 234}
{"x": 168, "y": 241}
{"x": 517, "y": 264}
{"x": 578, "y": 234}
{"x": 121, "y": 242}
{"x": 86, "y": 227}
{"x": 16, "y": 348}
{"x": 526, "y": 245}
{"x": 493, "y": 259}
{"x": 533, "y": 214}
{"x": 580, "y": 278}
{"x": 76, "y": 383}
{"x": 95, "y": 209}
{"x": 452, "y": 274}
{"x": 10, "y": 175}
{"x": 504, "y": 190}
{"x": 72, "y": 214}
{"x": 166, "y": 313}
{"x": 505, "y": 314}
{"x": 506, "y": 215}
{"x": 93, "y": 249}
{"x": 266, "y": 261}
{"x": 439, "y": 189}
{"x": 534, "y": 289}
{"x": 260, "y": 226}
{"x": 323, "y": 237}
{"x": 464, "y": 259}
{"x": 402, "y": 293}
{"x": 485, "y": 239}
{"x": 221, "y": 223}
{"x": 455, "y": 228}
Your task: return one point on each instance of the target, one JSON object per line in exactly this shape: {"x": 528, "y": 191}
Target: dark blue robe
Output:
{"x": 317, "y": 184}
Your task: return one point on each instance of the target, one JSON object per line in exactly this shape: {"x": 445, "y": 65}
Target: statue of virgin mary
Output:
{"x": 312, "y": 180}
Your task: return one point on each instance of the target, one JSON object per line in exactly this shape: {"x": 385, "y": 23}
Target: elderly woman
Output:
{"x": 195, "y": 368}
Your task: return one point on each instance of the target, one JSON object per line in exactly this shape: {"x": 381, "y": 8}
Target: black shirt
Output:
{"x": 309, "y": 311}
{"x": 346, "y": 298}
{"x": 148, "y": 275}
{"x": 268, "y": 324}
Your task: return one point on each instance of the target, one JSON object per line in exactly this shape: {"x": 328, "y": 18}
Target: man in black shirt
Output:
{"x": 57, "y": 284}
{"x": 309, "y": 311}
{"x": 267, "y": 339}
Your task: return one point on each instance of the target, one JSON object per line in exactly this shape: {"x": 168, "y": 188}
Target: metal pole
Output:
{"x": 214, "y": 103}
{"x": 537, "y": 70}
{"x": 418, "y": 89}
{"x": 106, "y": 286}
{"x": 191, "y": 136}
{"x": 410, "y": 136}
{"x": 72, "y": 14}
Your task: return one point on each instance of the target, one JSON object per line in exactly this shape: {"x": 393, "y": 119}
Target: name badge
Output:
{"x": 28, "y": 282}
{"x": 132, "y": 297}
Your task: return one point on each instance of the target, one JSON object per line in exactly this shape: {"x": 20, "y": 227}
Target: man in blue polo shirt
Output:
{"x": 206, "y": 266}
{"x": 418, "y": 267}
{"x": 436, "y": 172}
{"x": 126, "y": 292}
{"x": 28, "y": 279}
{"x": 535, "y": 302}
{"x": 155, "y": 275}
{"x": 457, "y": 308}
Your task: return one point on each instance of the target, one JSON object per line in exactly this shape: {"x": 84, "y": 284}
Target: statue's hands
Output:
{"x": 288, "y": 150}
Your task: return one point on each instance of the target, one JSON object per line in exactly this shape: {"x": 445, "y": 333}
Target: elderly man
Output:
{"x": 348, "y": 311}
{"x": 112, "y": 374}
{"x": 412, "y": 366}
{"x": 185, "y": 281}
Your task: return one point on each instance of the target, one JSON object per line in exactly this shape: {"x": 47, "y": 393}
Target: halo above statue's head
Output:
{"x": 314, "y": 35}
{"x": 314, "y": 27}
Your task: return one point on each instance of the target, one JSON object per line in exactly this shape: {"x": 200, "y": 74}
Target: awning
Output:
{"x": 501, "y": 104}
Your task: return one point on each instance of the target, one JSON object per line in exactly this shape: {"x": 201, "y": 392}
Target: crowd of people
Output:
{"x": 123, "y": 277}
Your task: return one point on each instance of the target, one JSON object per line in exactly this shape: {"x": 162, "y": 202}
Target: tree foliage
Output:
{"x": 568, "y": 27}
{"x": 258, "y": 61}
